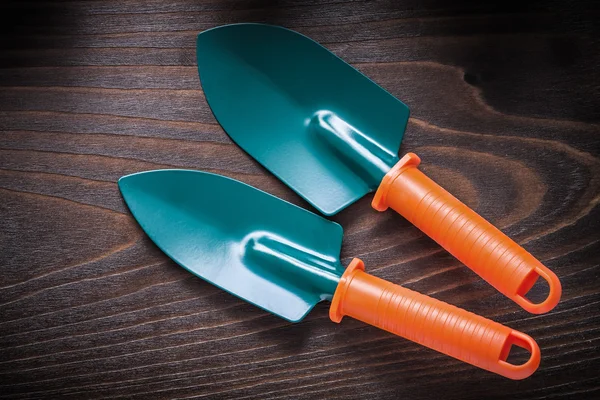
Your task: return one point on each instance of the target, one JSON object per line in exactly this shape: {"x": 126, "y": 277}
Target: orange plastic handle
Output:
{"x": 430, "y": 322}
{"x": 466, "y": 235}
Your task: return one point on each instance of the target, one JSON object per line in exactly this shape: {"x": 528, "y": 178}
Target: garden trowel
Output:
{"x": 285, "y": 260}
{"x": 333, "y": 135}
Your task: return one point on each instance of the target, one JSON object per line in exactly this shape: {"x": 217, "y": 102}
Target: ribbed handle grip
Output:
{"x": 430, "y": 322}
{"x": 466, "y": 235}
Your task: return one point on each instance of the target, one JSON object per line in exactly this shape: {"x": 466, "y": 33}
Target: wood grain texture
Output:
{"x": 504, "y": 104}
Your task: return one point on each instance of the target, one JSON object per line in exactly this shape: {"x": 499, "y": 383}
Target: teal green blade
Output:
{"x": 262, "y": 249}
{"x": 322, "y": 127}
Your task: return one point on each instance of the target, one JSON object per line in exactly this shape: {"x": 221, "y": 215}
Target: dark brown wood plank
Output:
{"x": 504, "y": 104}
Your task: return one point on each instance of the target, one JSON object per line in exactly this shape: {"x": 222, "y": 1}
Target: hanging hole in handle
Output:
{"x": 534, "y": 289}
{"x": 539, "y": 295}
{"x": 518, "y": 343}
{"x": 517, "y": 355}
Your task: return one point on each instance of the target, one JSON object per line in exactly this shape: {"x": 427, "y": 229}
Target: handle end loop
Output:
{"x": 553, "y": 296}
{"x": 518, "y": 372}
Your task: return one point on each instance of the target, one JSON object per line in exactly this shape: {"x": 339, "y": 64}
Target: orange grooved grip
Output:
{"x": 430, "y": 322}
{"x": 465, "y": 234}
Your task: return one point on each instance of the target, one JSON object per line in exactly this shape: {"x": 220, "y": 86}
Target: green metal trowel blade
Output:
{"x": 262, "y": 249}
{"x": 322, "y": 127}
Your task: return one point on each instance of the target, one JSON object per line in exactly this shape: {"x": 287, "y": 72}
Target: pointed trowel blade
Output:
{"x": 321, "y": 126}
{"x": 262, "y": 249}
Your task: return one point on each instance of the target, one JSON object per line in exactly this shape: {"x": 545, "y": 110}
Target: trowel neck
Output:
{"x": 369, "y": 159}
{"x": 289, "y": 264}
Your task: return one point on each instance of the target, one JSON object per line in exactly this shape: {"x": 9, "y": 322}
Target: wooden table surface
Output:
{"x": 504, "y": 107}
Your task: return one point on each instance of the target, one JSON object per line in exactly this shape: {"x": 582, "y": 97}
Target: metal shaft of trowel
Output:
{"x": 292, "y": 263}
{"x": 366, "y": 157}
